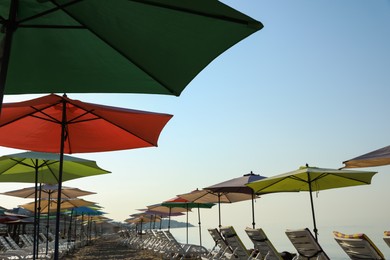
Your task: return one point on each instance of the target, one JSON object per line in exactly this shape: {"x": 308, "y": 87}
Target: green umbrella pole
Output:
{"x": 57, "y": 236}
{"x": 10, "y": 27}
{"x": 312, "y": 208}
{"x": 35, "y": 212}
{"x": 253, "y": 210}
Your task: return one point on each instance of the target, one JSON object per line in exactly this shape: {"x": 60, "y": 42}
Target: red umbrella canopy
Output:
{"x": 36, "y": 125}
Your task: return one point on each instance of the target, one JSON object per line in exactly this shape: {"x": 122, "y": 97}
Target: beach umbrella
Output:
{"x": 208, "y": 196}
{"x": 119, "y": 46}
{"x": 59, "y": 124}
{"x": 49, "y": 191}
{"x": 167, "y": 210}
{"x": 179, "y": 202}
{"x": 378, "y": 157}
{"x": 39, "y": 167}
{"x": 311, "y": 179}
{"x": 238, "y": 185}
{"x": 161, "y": 214}
{"x": 82, "y": 211}
{"x": 153, "y": 216}
{"x": 48, "y": 206}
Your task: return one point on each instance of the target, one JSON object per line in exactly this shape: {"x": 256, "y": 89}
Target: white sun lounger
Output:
{"x": 235, "y": 243}
{"x": 358, "y": 246}
{"x": 263, "y": 246}
{"x": 306, "y": 245}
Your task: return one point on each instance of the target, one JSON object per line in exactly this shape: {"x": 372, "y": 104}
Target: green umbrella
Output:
{"x": 121, "y": 46}
{"x": 183, "y": 203}
{"x": 39, "y": 167}
{"x": 311, "y": 179}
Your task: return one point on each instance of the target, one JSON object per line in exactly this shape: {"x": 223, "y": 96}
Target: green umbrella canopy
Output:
{"x": 311, "y": 179}
{"x": 121, "y": 46}
{"x": 22, "y": 167}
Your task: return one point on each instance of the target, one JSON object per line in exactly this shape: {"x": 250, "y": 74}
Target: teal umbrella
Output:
{"x": 183, "y": 203}
{"x": 121, "y": 46}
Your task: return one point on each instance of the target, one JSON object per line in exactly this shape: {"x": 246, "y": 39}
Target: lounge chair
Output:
{"x": 220, "y": 247}
{"x": 235, "y": 243}
{"x": 181, "y": 251}
{"x": 263, "y": 246}
{"x": 306, "y": 245}
{"x": 358, "y": 246}
{"x": 386, "y": 237}
{"x": 9, "y": 251}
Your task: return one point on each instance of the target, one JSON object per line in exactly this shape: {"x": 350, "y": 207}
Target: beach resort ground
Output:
{"x": 109, "y": 247}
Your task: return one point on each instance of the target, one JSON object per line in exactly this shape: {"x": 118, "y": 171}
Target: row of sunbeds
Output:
{"x": 162, "y": 243}
{"x": 228, "y": 245}
{"x": 356, "y": 246}
{"x": 9, "y": 249}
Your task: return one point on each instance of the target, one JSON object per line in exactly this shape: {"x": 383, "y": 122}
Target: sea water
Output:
{"x": 278, "y": 238}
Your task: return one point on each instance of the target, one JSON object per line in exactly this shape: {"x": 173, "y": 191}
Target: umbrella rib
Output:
{"x": 102, "y": 118}
{"x": 32, "y": 114}
{"x": 271, "y": 184}
{"x": 172, "y": 91}
{"x": 350, "y": 178}
{"x": 51, "y": 171}
{"x": 58, "y": 7}
{"x": 182, "y": 9}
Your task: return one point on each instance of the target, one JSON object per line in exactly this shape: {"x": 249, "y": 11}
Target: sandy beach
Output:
{"x": 109, "y": 247}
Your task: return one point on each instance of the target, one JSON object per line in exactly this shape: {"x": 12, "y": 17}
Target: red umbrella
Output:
{"x": 59, "y": 124}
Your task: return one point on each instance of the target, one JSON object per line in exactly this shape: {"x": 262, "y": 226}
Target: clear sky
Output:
{"x": 311, "y": 87}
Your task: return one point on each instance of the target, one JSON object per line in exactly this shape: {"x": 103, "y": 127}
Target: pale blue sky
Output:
{"x": 310, "y": 87}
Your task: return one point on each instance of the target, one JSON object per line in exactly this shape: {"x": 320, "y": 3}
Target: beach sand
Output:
{"x": 109, "y": 247}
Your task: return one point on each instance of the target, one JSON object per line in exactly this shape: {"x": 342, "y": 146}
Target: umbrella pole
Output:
{"x": 187, "y": 226}
{"x": 219, "y": 210}
{"x": 39, "y": 220}
{"x": 70, "y": 226}
{"x": 253, "y": 210}
{"x": 312, "y": 208}
{"x": 200, "y": 229}
{"x": 57, "y": 236}
{"x": 10, "y": 27}
{"x": 48, "y": 221}
{"x": 161, "y": 221}
{"x": 35, "y": 212}
{"x": 169, "y": 219}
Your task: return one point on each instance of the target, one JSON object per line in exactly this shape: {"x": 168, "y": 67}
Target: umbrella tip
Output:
{"x": 250, "y": 174}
